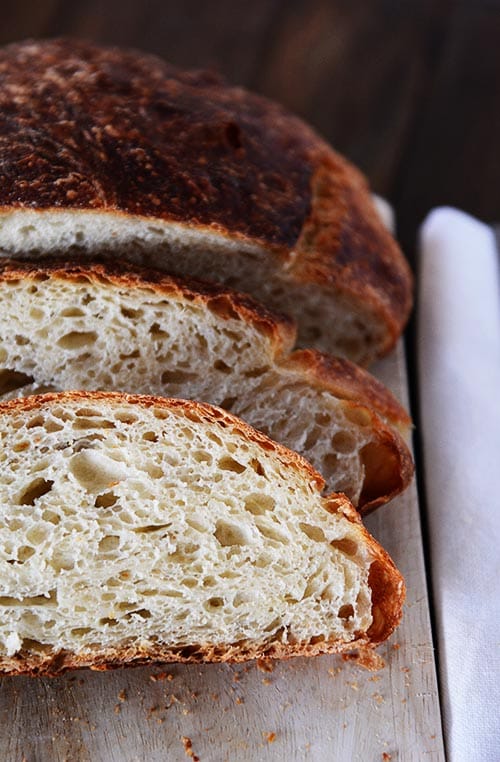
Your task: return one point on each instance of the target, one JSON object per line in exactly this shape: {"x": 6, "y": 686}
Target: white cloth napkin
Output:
{"x": 459, "y": 382}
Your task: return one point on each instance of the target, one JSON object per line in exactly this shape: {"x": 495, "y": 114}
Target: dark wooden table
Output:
{"x": 407, "y": 89}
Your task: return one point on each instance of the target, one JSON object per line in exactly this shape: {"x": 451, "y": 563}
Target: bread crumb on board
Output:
{"x": 161, "y": 676}
{"x": 270, "y": 737}
{"x": 265, "y": 665}
{"x": 188, "y": 748}
{"x": 386, "y": 757}
{"x": 122, "y": 695}
{"x": 366, "y": 658}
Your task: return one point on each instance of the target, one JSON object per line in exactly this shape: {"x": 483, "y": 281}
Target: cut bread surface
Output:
{"x": 139, "y": 528}
{"x": 181, "y": 171}
{"x": 89, "y": 328}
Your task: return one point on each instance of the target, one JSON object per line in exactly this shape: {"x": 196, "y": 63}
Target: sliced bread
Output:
{"x": 91, "y": 327}
{"x": 111, "y": 151}
{"x": 140, "y": 529}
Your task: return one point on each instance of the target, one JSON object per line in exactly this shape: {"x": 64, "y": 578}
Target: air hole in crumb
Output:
{"x": 142, "y": 613}
{"x": 24, "y": 553}
{"x": 37, "y": 420}
{"x": 345, "y": 545}
{"x": 323, "y": 419}
{"x": 258, "y": 504}
{"x": 176, "y": 376}
{"x": 150, "y": 436}
{"x": 128, "y": 312}
{"x": 200, "y": 456}
{"x": 230, "y": 534}
{"x": 157, "y": 333}
{"x": 346, "y": 612}
{"x": 51, "y": 516}
{"x": 343, "y": 442}
{"x": 271, "y": 533}
{"x": 214, "y": 603}
{"x": 34, "y": 491}
{"x": 80, "y": 631}
{"x": 72, "y": 312}
{"x": 77, "y": 340}
{"x": 149, "y": 528}
{"x": 106, "y": 500}
{"x": 222, "y": 366}
{"x": 230, "y": 464}
{"x": 108, "y": 543}
{"x": 257, "y": 466}
{"x": 94, "y": 471}
{"x": 314, "y": 533}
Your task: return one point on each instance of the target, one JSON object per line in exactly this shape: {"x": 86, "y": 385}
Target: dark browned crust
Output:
{"x": 222, "y": 300}
{"x": 345, "y": 248}
{"x": 387, "y": 585}
{"x": 350, "y": 382}
{"x": 89, "y": 128}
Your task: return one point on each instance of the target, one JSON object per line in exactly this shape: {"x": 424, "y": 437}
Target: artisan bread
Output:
{"x": 113, "y": 153}
{"x": 90, "y": 327}
{"x": 138, "y": 529}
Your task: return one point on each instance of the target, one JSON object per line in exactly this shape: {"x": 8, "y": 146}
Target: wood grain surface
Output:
{"x": 303, "y": 710}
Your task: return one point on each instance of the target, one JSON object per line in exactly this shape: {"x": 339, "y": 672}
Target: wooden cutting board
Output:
{"x": 304, "y": 709}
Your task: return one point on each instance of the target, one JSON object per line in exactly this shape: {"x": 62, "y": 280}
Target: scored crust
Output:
{"x": 385, "y": 581}
{"x": 85, "y": 129}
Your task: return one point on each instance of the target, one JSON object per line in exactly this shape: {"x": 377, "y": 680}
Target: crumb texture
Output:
{"x": 93, "y": 333}
{"x": 165, "y": 523}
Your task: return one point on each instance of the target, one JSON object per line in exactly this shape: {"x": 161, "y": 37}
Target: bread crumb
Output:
{"x": 118, "y": 708}
{"x": 239, "y": 700}
{"x": 266, "y": 681}
{"x": 378, "y": 698}
{"x": 188, "y": 749}
{"x": 366, "y": 658}
{"x": 374, "y": 678}
{"x": 161, "y": 676}
{"x": 386, "y": 757}
{"x": 396, "y": 646}
{"x": 122, "y": 695}
{"x": 270, "y": 737}
{"x": 265, "y": 665}
{"x": 214, "y": 696}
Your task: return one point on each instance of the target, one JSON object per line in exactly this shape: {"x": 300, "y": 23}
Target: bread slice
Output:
{"x": 138, "y": 529}
{"x": 90, "y": 327}
{"x": 106, "y": 151}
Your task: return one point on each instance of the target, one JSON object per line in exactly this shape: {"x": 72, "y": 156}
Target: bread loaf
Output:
{"x": 137, "y": 529}
{"x": 112, "y": 153}
{"x": 90, "y": 327}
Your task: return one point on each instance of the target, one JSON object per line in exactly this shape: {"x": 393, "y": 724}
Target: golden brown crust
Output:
{"x": 386, "y": 583}
{"x": 89, "y": 128}
{"x": 217, "y": 298}
{"x": 349, "y": 382}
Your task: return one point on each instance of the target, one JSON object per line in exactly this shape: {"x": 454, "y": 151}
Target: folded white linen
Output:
{"x": 459, "y": 387}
